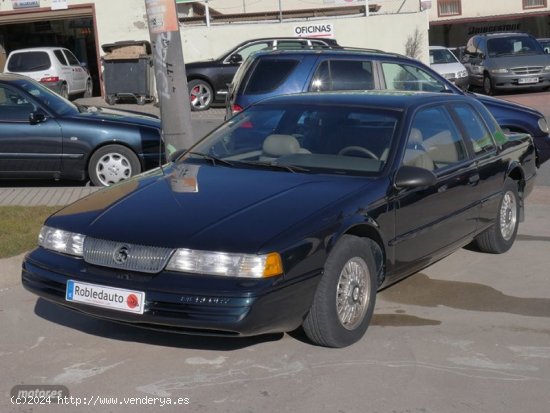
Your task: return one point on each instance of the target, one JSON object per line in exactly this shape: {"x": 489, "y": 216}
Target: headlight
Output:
{"x": 543, "y": 125}
{"x": 462, "y": 73}
{"x": 226, "y": 264}
{"x": 547, "y": 68}
{"x": 61, "y": 241}
{"x": 499, "y": 71}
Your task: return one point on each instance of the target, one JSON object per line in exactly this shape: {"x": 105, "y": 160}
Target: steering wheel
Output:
{"x": 347, "y": 149}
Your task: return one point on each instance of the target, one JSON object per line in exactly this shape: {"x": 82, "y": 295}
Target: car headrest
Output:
{"x": 415, "y": 137}
{"x": 280, "y": 145}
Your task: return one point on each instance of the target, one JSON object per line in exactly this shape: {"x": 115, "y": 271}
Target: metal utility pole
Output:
{"x": 175, "y": 109}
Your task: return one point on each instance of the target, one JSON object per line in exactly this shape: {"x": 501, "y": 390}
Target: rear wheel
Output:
{"x": 345, "y": 298}
{"x": 111, "y": 164}
{"x": 500, "y": 237}
{"x": 200, "y": 95}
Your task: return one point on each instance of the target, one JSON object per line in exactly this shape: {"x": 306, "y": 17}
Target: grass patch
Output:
{"x": 19, "y": 228}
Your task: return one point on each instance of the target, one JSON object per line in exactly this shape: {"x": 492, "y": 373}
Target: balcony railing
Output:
{"x": 534, "y": 4}
{"x": 449, "y": 8}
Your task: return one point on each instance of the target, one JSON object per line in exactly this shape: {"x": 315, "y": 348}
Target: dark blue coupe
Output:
{"x": 43, "y": 135}
{"x": 293, "y": 213}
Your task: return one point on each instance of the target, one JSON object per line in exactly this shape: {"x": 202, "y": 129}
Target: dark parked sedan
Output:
{"x": 295, "y": 212}
{"x": 43, "y": 135}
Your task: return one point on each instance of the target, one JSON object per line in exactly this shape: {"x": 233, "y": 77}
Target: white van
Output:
{"x": 54, "y": 67}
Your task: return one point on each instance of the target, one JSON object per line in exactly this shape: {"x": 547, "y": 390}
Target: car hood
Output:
{"x": 520, "y": 61}
{"x": 443, "y": 68}
{"x": 206, "y": 207}
{"x": 116, "y": 116}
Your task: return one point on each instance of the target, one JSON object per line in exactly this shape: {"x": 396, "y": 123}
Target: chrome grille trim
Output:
{"x": 139, "y": 258}
{"x": 527, "y": 70}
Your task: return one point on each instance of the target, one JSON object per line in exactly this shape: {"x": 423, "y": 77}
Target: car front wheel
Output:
{"x": 111, "y": 164}
{"x": 345, "y": 297}
{"x": 500, "y": 237}
{"x": 200, "y": 95}
{"x": 488, "y": 88}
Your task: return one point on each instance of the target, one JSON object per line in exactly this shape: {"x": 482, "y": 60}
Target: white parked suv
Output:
{"x": 444, "y": 62}
{"x": 54, "y": 67}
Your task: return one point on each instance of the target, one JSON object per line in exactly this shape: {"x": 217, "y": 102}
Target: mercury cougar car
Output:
{"x": 293, "y": 213}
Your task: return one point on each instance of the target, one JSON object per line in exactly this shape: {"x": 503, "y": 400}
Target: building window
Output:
{"x": 534, "y": 4}
{"x": 449, "y": 8}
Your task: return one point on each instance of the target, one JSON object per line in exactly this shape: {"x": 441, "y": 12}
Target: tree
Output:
{"x": 413, "y": 46}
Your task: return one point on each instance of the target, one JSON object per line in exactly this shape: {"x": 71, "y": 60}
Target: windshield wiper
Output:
{"x": 294, "y": 169}
{"x": 213, "y": 159}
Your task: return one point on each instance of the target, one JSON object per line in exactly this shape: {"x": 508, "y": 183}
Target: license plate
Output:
{"x": 527, "y": 80}
{"x": 108, "y": 297}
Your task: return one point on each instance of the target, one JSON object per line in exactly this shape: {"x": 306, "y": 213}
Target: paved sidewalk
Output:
{"x": 49, "y": 196}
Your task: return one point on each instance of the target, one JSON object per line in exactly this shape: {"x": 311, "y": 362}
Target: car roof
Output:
{"x": 37, "y": 49}
{"x": 344, "y": 51}
{"x": 503, "y": 34}
{"x": 392, "y": 100}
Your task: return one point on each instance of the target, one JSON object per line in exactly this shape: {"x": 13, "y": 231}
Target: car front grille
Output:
{"x": 126, "y": 256}
{"x": 527, "y": 70}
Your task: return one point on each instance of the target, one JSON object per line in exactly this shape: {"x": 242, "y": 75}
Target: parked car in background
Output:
{"x": 506, "y": 61}
{"x": 545, "y": 43}
{"x": 295, "y": 212}
{"x": 207, "y": 80}
{"x": 447, "y": 65}
{"x": 267, "y": 74}
{"x": 55, "y": 67}
{"x": 43, "y": 135}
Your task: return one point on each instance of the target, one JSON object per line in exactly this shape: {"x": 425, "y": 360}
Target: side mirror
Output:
{"x": 36, "y": 117}
{"x": 236, "y": 58}
{"x": 84, "y": 65}
{"x": 414, "y": 177}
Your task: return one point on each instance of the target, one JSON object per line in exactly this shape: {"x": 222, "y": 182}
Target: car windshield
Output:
{"x": 441, "y": 56}
{"x": 304, "y": 138}
{"x": 513, "y": 45}
{"x": 47, "y": 98}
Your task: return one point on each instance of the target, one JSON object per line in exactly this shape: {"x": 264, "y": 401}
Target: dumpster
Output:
{"x": 128, "y": 71}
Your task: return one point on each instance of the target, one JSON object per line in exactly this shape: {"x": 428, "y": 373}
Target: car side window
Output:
{"x": 434, "y": 141}
{"x": 407, "y": 77}
{"x": 73, "y": 61}
{"x": 14, "y": 107}
{"x": 343, "y": 75}
{"x": 60, "y": 57}
{"x": 269, "y": 74}
{"x": 251, "y": 48}
{"x": 475, "y": 129}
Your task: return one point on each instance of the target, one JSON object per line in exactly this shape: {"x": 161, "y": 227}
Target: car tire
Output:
{"x": 111, "y": 164}
{"x": 200, "y": 95}
{"x": 488, "y": 87}
{"x": 344, "y": 301}
{"x": 110, "y": 99}
{"x": 89, "y": 89}
{"x": 500, "y": 237}
{"x": 64, "y": 91}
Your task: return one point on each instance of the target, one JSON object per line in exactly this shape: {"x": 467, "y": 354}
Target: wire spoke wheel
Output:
{"x": 352, "y": 293}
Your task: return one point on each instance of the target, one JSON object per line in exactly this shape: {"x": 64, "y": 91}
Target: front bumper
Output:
{"x": 179, "y": 302}
{"x": 512, "y": 81}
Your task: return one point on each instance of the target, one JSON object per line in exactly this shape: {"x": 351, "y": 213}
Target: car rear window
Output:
{"x": 268, "y": 75}
{"x": 29, "y": 62}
